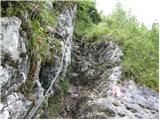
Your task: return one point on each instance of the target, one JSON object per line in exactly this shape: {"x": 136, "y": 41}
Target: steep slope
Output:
{"x": 26, "y": 78}
{"x": 97, "y": 90}
{"x": 45, "y": 72}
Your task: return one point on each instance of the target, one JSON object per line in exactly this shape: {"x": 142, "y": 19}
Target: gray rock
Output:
{"x": 16, "y": 62}
{"x": 14, "y": 70}
{"x": 4, "y": 76}
{"x": 98, "y": 58}
{"x": 49, "y": 4}
{"x": 111, "y": 54}
{"x": 64, "y": 29}
{"x": 15, "y": 67}
{"x": 10, "y": 37}
{"x": 131, "y": 105}
{"x": 99, "y": 65}
{"x": 15, "y": 106}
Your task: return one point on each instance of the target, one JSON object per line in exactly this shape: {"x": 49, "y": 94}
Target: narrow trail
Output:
{"x": 94, "y": 91}
{"x": 78, "y": 93}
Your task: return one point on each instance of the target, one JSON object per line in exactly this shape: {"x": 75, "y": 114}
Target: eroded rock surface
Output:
{"x": 97, "y": 93}
{"x": 16, "y": 66}
{"x": 14, "y": 69}
{"x": 134, "y": 104}
{"x": 96, "y": 90}
{"x": 15, "y": 106}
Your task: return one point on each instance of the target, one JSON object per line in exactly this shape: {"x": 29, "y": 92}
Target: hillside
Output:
{"x": 65, "y": 60}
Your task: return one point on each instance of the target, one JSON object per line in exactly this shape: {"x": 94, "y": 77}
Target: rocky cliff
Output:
{"x": 32, "y": 78}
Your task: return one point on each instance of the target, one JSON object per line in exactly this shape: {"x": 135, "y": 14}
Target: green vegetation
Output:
{"x": 86, "y": 17}
{"x": 89, "y": 24}
{"x": 64, "y": 86}
{"x": 139, "y": 44}
{"x": 35, "y": 17}
{"x": 54, "y": 105}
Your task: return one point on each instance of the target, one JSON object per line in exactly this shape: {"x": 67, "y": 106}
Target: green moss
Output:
{"x": 54, "y": 105}
{"x": 27, "y": 87}
{"x": 39, "y": 18}
{"x": 64, "y": 86}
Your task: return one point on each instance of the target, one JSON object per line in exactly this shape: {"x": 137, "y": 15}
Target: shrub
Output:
{"x": 86, "y": 17}
{"x": 140, "y": 47}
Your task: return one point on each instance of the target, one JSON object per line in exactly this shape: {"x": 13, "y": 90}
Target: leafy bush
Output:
{"x": 86, "y": 17}
{"x": 140, "y": 47}
{"x": 139, "y": 44}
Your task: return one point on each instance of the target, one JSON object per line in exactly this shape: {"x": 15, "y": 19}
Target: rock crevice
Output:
{"x": 21, "y": 71}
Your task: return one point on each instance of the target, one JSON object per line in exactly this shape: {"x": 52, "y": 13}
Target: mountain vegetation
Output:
{"x": 64, "y": 59}
{"x": 139, "y": 43}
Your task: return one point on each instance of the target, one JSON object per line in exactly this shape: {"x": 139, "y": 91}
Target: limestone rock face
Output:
{"x": 99, "y": 60}
{"x": 133, "y": 104}
{"x": 10, "y": 37}
{"x": 96, "y": 89}
{"x": 14, "y": 69}
{"x": 15, "y": 64}
{"x": 107, "y": 99}
{"x": 15, "y": 106}
{"x": 64, "y": 32}
{"x": 98, "y": 72}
